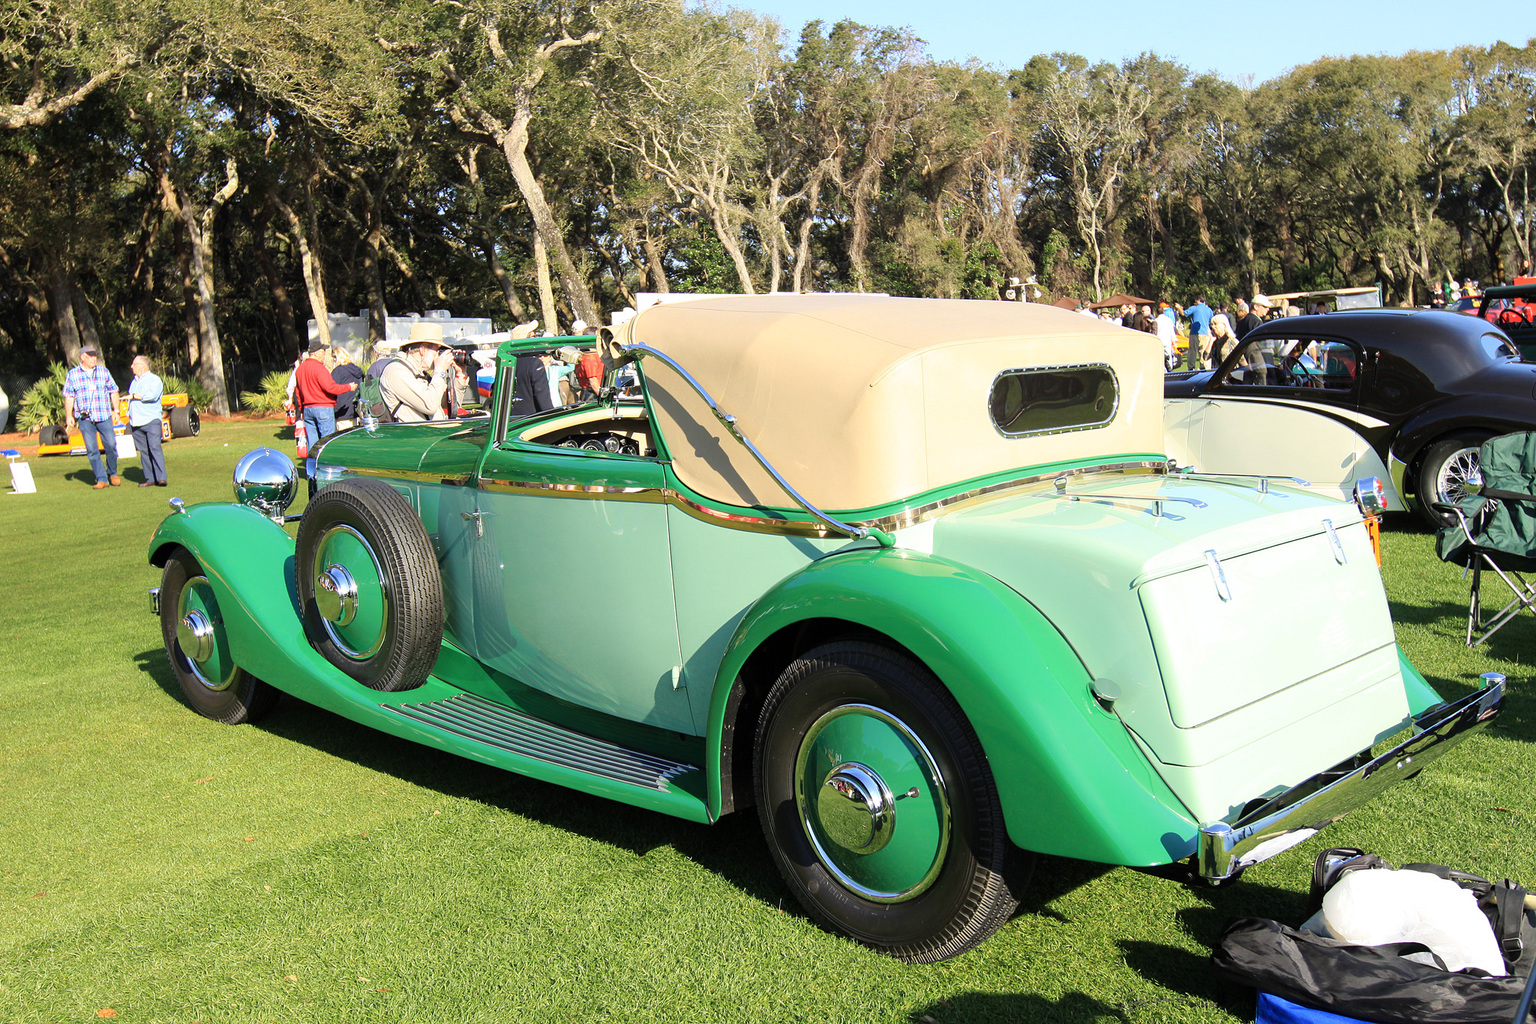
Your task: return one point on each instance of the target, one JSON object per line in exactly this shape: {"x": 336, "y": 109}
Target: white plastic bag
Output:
{"x": 1374, "y": 908}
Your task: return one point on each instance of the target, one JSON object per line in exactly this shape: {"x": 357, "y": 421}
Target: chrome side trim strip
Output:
{"x": 504, "y": 728}
{"x": 1297, "y": 814}
{"x": 759, "y": 523}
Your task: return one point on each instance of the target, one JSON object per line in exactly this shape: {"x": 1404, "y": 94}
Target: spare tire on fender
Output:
{"x": 369, "y": 587}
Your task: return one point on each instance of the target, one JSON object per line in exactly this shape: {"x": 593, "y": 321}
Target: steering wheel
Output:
{"x": 1511, "y": 315}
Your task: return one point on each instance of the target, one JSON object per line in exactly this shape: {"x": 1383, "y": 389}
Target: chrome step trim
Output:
{"x": 504, "y": 728}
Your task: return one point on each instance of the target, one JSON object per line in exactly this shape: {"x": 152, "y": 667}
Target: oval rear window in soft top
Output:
{"x": 1053, "y": 399}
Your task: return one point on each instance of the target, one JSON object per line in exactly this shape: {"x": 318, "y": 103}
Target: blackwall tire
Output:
{"x": 192, "y": 626}
{"x": 185, "y": 421}
{"x": 879, "y": 807}
{"x": 368, "y": 584}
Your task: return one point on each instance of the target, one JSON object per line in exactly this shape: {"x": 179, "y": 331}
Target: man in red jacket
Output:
{"x": 315, "y": 392}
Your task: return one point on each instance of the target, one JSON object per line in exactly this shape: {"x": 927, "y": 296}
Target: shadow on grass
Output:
{"x": 732, "y": 848}
{"x": 1190, "y": 974}
{"x": 1022, "y": 1006}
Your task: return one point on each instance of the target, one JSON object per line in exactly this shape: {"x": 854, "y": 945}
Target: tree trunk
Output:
{"x": 514, "y": 146}
{"x": 209, "y": 357}
{"x": 803, "y": 249}
{"x": 546, "y": 287}
{"x": 282, "y": 304}
{"x": 373, "y": 272}
{"x": 653, "y": 260}
{"x": 83, "y": 315}
{"x": 471, "y": 164}
{"x": 314, "y": 284}
{"x": 61, "y": 303}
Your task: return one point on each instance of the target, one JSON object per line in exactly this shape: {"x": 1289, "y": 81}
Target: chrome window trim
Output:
{"x": 1044, "y": 431}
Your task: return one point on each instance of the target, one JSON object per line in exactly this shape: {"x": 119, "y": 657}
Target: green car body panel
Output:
{"x": 1021, "y": 686}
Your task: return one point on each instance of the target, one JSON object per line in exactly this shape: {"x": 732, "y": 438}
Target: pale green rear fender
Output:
{"x": 1072, "y": 781}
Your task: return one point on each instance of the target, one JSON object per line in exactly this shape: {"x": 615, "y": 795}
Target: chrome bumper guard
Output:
{"x": 1297, "y": 814}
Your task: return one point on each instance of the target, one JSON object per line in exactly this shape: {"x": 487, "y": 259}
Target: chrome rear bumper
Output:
{"x": 1297, "y": 814}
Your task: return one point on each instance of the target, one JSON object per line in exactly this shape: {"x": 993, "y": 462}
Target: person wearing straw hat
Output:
{"x": 413, "y": 383}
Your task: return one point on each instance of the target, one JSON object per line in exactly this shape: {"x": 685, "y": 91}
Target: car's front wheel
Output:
{"x": 197, "y": 646}
{"x": 1451, "y": 470}
{"x": 878, "y": 804}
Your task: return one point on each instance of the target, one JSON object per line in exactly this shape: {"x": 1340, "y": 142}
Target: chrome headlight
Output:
{"x": 266, "y": 481}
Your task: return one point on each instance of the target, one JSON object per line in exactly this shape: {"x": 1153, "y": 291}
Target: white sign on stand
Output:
{"x": 21, "y": 473}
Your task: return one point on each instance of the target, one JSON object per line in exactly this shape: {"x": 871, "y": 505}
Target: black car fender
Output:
{"x": 1489, "y": 415}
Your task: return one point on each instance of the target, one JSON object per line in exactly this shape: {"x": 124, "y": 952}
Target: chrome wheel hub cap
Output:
{"x": 195, "y": 635}
{"x": 200, "y": 638}
{"x": 872, "y": 802}
{"x": 336, "y": 595}
{"x": 856, "y": 808}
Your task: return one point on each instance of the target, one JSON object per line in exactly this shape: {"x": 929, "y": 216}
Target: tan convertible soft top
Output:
{"x": 864, "y": 400}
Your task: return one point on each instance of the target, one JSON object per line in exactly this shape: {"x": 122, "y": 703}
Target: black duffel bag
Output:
{"x": 1378, "y": 983}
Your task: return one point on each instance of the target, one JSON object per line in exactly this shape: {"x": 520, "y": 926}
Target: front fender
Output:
{"x": 1071, "y": 779}
{"x": 249, "y": 562}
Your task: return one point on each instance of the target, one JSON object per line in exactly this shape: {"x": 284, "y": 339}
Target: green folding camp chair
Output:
{"x": 1496, "y": 530}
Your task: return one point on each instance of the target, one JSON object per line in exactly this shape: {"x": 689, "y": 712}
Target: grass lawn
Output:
{"x": 172, "y": 869}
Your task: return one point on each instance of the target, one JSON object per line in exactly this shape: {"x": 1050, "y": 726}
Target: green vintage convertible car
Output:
{"x": 913, "y": 578}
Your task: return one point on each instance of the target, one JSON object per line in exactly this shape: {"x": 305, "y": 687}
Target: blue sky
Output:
{"x": 1233, "y": 39}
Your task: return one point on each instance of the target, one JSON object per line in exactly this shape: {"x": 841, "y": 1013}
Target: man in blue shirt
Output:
{"x": 90, "y": 397}
{"x": 144, "y": 421}
{"x": 1199, "y": 333}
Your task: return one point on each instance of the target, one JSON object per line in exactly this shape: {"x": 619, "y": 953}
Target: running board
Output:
{"x": 524, "y": 737}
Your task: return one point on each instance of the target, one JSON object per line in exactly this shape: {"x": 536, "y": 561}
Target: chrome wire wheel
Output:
{"x": 1460, "y": 476}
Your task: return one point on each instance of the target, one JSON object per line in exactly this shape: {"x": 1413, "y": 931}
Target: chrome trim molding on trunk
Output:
{"x": 1294, "y": 816}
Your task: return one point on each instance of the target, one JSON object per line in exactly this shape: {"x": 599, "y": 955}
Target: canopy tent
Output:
{"x": 1066, "y": 302}
{"x": 1121, "y": 300}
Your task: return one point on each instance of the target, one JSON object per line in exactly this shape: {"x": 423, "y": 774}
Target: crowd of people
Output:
{"x": 1201, "y": 335}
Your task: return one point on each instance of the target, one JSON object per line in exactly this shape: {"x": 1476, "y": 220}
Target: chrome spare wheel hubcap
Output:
{"x": 872, "y": 802}
{"x": 336, "y": 595}
{"x": 350, "y": 595}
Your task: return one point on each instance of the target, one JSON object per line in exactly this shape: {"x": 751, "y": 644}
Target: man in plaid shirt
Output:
{"x": 90, "y": 396}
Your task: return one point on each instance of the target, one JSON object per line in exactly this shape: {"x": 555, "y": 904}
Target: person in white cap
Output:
{"x": 413, "y": 383}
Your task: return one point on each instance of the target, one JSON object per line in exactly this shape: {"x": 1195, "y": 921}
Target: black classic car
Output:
{"x": 1404, "y": 395}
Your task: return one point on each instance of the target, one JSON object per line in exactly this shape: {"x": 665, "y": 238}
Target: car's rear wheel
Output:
{"x": 197, "y": 646}
{"x": 368, "y": 584}
{"x": 52, "y": 434}
{"x": 878, "y": 804}
{"x": 185, "y": 422}
{"x": 1451, "y": 470}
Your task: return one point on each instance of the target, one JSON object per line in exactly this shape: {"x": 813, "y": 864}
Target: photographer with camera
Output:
{"x": 414, "y": 383}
